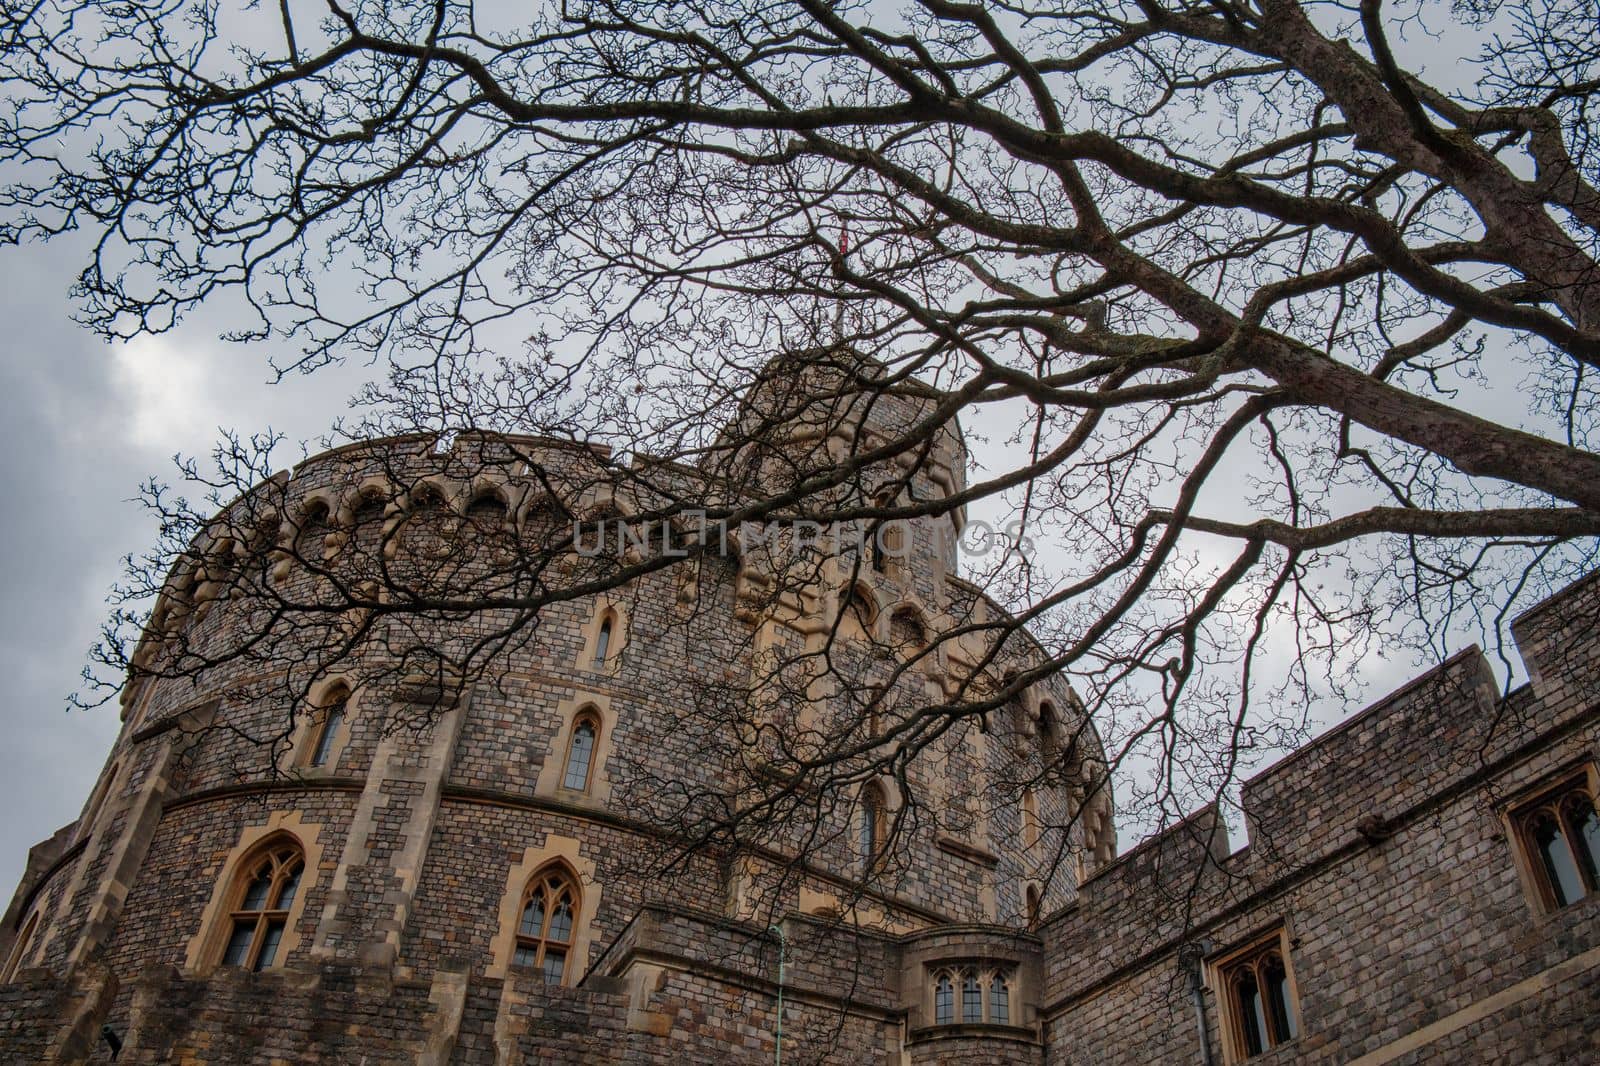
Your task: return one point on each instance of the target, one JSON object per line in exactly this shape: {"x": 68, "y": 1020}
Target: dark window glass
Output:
{"x": 1583, "y": 823}
{"x": 602, "y": 642}
{"x": 238, "y": 949}
{"x": 555, "y": 965}
{"x": 1561, "y": 872}
{"x": 532, "y": 915}
{"x": 286, "y": 894}
{"x": 971, "y": 999}
{"x": 944, "y": 1006}
{"x": 1252, "y": 1020}
{"x": 869, "y": 815}
{"x": 270, "y": 939}
{"x": 1000, "y": 1002}
{"x": 255, "y": 897}
{"x": 1276, "y": 983}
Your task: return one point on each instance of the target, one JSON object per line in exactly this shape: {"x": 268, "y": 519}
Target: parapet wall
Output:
{"x": 1382, "y": 850}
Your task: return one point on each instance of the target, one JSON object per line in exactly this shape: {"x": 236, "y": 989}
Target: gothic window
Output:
{"x": 984, "y": 996}
{"x": 1000, "y": 1000}
{"x": 580, "y": 752}
{"x": 971, "y": 998}
{"x": 259, "y": 904}
{"x": 330, "y": 723}
{"x": 1560, "y": 837}
{"x": 1258, "y": 997}
{"x": 602, "y": 640}
{"x": 1030, "y": 818}
{"x": 547, "y": 923}
{"x": 1031, "y": 902}
{"x": 369, "y": 508}
{"x": 869, "y": 825}
{"x": 944, "y": 1000}
{"x": 19, "y": 950}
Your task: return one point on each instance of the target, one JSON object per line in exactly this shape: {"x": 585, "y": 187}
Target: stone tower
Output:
{"x": 317, "y": 854}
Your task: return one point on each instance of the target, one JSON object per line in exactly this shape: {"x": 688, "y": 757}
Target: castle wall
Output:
{"x": 1383, "y": 851}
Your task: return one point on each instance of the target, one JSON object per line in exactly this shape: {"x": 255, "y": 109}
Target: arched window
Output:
{"x": 906, "y": 630}
{"x": 580, "y": 753}
{"x": 487, "y": 511}
{"x": 259, "y": 905}
{"x": 944, "y": 1000}
{"x": 1031, "y": 902}
{"x": 547, "y": 923}
{"x": 19, "y": 950}
{"x": 326, "y": 737}
{"x": 1260, "y": 1002}
{"x": 1030, "y": 818}
{"x": 985, "y": 995}
{"x": 602, "y": 639}
{"x": 312, "y": 532}
{"x": 368, "y": 511}
{"x": 869, "y": 825}
{"x": 999, "y": 1000}
{"x": 859, "y": 611}
{"x": 1561, "y": 835}
{"x": 971, "y": 997}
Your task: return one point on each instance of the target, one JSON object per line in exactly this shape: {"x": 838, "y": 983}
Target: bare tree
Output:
{"x": 1276, "y": 351}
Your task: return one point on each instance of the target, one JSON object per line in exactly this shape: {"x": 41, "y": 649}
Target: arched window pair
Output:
{"x": 972, "y": 996}
{"x": 259, "y": 902}
{"x": 1560, "y": 834}
{"x": 547, "y": 923}
{"x": 1260, "y": 1006}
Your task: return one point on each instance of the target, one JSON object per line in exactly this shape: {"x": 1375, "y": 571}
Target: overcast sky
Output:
{"x": 84, "y": 422}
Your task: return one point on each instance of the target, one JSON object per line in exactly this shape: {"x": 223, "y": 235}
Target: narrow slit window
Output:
{"x": 328, "y": 732}
{"x": 602, "y": 642}
{"x": 869, "y": 827}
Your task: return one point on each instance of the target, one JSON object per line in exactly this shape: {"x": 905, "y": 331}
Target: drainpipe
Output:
{"x": 1189, "y": 956}
{"x": 783, "y": 951}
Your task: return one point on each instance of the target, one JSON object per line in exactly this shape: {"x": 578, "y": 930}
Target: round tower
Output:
{"x": 372, "y": 738}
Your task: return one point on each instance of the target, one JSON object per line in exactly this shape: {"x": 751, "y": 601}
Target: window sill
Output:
{"x": 1021, "y": 1034}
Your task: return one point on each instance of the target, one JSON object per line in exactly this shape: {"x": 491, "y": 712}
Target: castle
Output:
{"x": 333, "y": 849}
